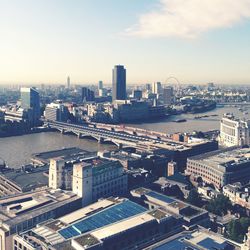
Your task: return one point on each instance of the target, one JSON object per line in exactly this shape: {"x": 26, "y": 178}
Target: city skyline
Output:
{"x": 46, "y": 41}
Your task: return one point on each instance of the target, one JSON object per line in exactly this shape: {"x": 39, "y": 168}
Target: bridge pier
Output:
{"x": 62, "y": 131}
{"x": 79, "y": 135}
{"x": 120, "y": 146}
{"x": 100, "y": 140}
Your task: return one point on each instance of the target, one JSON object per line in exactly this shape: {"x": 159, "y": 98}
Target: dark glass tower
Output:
{"x": 119, "y": 83}
{"x": 30, "y": 101}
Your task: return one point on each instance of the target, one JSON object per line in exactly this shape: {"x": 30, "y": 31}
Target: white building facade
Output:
{"x": 234, "y": 132}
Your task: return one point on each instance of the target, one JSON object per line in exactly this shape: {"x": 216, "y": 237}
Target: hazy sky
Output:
{"x": 196, "y": 41}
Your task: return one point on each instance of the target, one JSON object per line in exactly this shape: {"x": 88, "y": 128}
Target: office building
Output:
{"x": 137, "y": 94}
{"x": 238, "y": 194}
{"x": 172, "y": 168}
{"x": 189, "y": 215}
{"x": 60, "y": 174}
{"x": 168, "y": 95}
{"x": 148, "y": 87}
{"x": 27, "y": 179}
{"x": 15, "y": 114}
{"x": 99, "y": 178}
{"x": 56, "y": 112}
{"x": 87, "y": 95}
{"x": 68, "y": 82}
{"x": 199, "y": 239}
{"x": 22, "y": 212}
{"x": 30, "y": 101}
{"x": 119, "y": 83}
{"x": 156, "y": 88}
{"x": 69, "y": 155}
{"x": 114, "y": 223}
{"x": 91, "y": 179}
{"x": 100, "y": 85}
{"x": 221, "y": 167}
{"x": 131, "y": 110}
{"x": 233, "y": 131}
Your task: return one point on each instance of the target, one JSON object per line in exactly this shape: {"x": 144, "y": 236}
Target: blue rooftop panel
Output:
{"x": 161, "y": 197}
{"x": 209, "y": 243}
{"x": 108, "y": 216}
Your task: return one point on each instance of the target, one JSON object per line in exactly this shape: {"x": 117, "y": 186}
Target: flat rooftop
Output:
{"x": 86, "y": 211}
{"x": 21, "y": 207}
{"x": 225, "y": 158}
{"x": 103, "y": 218}
{"x": 68, "y": 154}
{"x": 28, "y": 181}
{"x": 195, "y": 241}
{"x": 169, "y": 203}
{"x": 121, "y": 226}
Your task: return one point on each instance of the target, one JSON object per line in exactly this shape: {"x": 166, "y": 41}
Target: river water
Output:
{"x": 168, "y": 125}
{"x": 17, "y": 150}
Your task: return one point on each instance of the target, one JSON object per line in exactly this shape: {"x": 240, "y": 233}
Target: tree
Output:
{"x": 237, "y": 229}
{"x": 194, "y": 198}
{"x": 220, "y": 205}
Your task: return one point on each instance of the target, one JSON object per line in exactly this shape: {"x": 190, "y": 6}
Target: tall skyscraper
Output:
{"x": 119, "y": 83}
{"x": 68, "y": 82}
{"x": 100, "y": 85}
{"x": 87, "y": 95}
{"x": 30, "y": 101}
{"x": 168, "y": 94}
{"x": 156, "y": 88}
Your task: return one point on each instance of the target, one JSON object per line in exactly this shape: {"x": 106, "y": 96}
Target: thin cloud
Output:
{"x": 190, "y": 18}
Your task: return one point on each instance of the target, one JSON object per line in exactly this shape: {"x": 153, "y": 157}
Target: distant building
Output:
{"x": 100, "y": 85}
{"x": 131, "y": 110}
{"x": 221, "y": 167}
{"x": 16, "y": 114}
{"x": 234, "y": 132}
{"x": 137, "y": 94}
{"x": 148, "y": 87}
{"x": 56, "y": 112}
{"x": 119, "y": 83}
{"x": 156, "y": 88}
{"x": 30, "y": 101}
{"x": 87, "y": 95}
{"x": 102, "y": 92}
{"x": 168, "y": 95}
{"x": 68, "y": 82}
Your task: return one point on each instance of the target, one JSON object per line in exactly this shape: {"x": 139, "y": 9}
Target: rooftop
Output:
{"x": 87, "y": 240}
{"x": 220, "y": 159}
{"x": 169, "y": 204}
{"x": 121, "y": 226}
{"x": 21, "y": 207}
{"x": 67, "y": 154}
{"x": 110, "y": 215}
{"x": 200, "y": 239}
{"x": 28, "y": 180}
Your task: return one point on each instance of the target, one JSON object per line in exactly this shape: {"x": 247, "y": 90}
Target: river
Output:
{"x": 17, "y": 150}
{"x": 168, "y": 125}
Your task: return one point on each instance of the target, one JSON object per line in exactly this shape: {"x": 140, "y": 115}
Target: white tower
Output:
{"x": 56, "y": 173}
{"x": 68, "y": 82}
{"x": 82, "y": 182}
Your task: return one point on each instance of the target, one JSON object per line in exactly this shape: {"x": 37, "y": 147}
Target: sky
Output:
{"x": 44, "y": 41}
